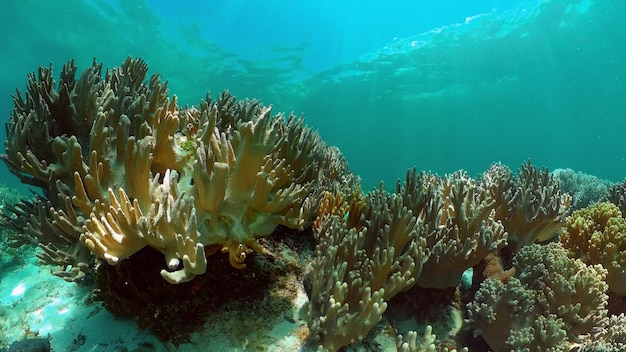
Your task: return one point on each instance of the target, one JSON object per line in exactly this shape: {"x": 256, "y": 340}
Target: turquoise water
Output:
{"x": 393, "y": 86}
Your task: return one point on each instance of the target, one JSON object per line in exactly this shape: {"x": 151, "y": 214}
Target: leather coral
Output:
{"x": 121, "y": 166}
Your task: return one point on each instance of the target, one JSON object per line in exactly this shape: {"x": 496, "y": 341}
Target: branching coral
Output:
{"x": 122, "y": 166}
{"x": 597, "y": 235}
{"x": 369, "y": 251}
{"x": 468, "y": 219}
{"x": 531, "y": 205}
{"x": 585, "y": 189}
{"x": 462, "y": 228}
{"x": 409, "y": 343}
{"x": 371, "y": 248}
{"x": 609, "y": 336}
{"x": 550, "y": 303}
{"x": 617, "y": 195}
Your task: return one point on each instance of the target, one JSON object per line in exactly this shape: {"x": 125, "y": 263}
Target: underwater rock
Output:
{"x": 31, "y": 345}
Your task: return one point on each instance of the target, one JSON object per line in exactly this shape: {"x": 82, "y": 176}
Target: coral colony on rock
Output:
{"x": 221, "y": 219}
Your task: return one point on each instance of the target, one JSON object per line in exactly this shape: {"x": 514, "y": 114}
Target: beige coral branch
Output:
{"x": 191, "y": 251}
{"x": 116, "y": 234}
{"x": 360, "y": 266}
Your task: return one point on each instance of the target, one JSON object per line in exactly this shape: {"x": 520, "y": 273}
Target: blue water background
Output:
{"x": 455, "y": 85}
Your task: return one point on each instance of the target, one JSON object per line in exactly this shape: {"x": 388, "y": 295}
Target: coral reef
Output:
{"x": 609, "y": 336}
{"x": 461, "y": 223}
{"x": 131, "y": 187}
{"x": 552, "y": 301}
{"x": 409, "y": 343}
{"x": 617, "y": 195}
{"x": 373, "y": 247}
{"x": 122, "y": 166}
{"x": 597, "y": 235}
{"x": 427, "y": 233}
{"x": 360, "y": 264}
{"x": 530, "y": 205}
{"x": 585, "y": 189}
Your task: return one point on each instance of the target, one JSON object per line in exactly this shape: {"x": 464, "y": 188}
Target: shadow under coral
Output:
{"x": 134, "y": 289}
